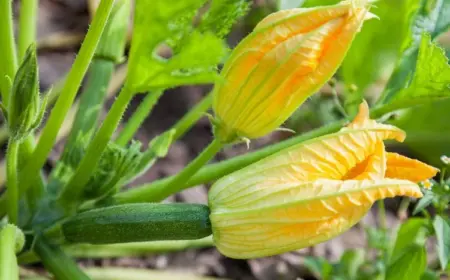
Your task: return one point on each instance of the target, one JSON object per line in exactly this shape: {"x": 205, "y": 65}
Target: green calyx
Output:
{"x": 25, "y": 111}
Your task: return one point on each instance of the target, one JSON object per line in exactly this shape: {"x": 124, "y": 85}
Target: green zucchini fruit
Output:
{"x": 138, "y": 222}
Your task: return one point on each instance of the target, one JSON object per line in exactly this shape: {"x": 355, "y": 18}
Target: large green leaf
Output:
{"x": 410, "y": 266}
{"x": 442, "y": 230}
{"x": 431, "y": 79}
{"x": 191, "y": 55}
{"x": 431, "y": 16}
{"x": 411, "y": 233}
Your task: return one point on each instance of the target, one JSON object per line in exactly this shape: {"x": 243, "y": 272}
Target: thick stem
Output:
{"x": 12, "y": 181}
{"x": 133, "y": 124}
{"x": 73, "y": 190}
{"x": 8, "y": 56}
{"x": 27, "y": 25}
{"x": 188, "y": 120}
{"x": 212, "y": 172}
{"x": 382, "y": 215}
{"x": 8, "y": 263}
{"x": 67, "y": 96}
{"x": 157, "y": 192}
{"x": 58, "y": 263}
{"x": 132, "y": 249}
{"x": 91, "y": 101}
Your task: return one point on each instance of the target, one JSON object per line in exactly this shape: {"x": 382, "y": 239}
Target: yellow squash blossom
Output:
{"x": 311, "y": 192}
{"x": 289, "y": 56}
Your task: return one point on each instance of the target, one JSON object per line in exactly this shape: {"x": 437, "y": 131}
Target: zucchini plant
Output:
{"x": 289, "y": 195}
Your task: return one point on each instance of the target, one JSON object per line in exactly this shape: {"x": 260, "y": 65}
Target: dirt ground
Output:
{"x": 65, "y": 22}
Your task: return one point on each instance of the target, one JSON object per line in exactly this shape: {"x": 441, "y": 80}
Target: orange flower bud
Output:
{"x": 289, "y": 56}
{"x": 311, "y": 192}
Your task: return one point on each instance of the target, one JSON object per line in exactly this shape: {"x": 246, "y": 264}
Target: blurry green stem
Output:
{"x": 73, "y": 190}
{"x": 11, "y": 178}
{"x": 124, "y": 249}
{"x": 138, "y": 117}
{"x": 192, "y": 116}
{"x": 27, "y": 25}
{"x": 58, "y": 263}
{"x": 382, "y": 215}
{"x": 8, "y": 263}
{"x": 91, "y": 102}
{"x": 8, "y": 56}
{"x": 67, "y": 96}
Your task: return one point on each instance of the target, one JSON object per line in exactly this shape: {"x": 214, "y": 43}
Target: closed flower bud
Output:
{"x": 311, "y": 192}
{"x": 25, "y": 111}
{"x": 289, "y": 56}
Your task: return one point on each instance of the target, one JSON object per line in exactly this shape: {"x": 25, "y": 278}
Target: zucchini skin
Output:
{"x": 139, "y": 222}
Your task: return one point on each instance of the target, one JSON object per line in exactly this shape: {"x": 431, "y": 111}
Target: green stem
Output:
{"x": 73, "y": 190}
{"x": 12, "y": 181}
{"x": 91, "y": 102}
{"x": 147, "y": 192}
{"x": 27, "y": 25}
{"x": 138, "y": 117}
{"x": 382, "y": 215}
{"x": 57, "y": 262}
{"x": 132, "y": 249}
{"x": 188, "y": 120}
{"x": 8, "y": 263}
{"x": 67, "y": 96}
{"x": 8, "y": 56}
{"x": 158, "y": 192}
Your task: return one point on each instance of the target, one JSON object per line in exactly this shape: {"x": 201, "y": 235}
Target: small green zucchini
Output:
{"x": 138, "y": 222}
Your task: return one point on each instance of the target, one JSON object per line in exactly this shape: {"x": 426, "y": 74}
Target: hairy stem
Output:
{"x": 67, "y": 96}
{"x": 73, "y": 190}
{"x": 138, "y": 117}
{"x": 12, "y": 181}
{"x": 8, "y": 56}
{"x": 27, "y": 25}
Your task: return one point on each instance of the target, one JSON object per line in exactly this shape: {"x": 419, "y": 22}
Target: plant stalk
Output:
{"x": 8, "y": 263}
{"x": 73, "y": 190}
{"x": 188, "y": 120}
{"x": 12, "y": 180}
{"x": 67, "y": 96}
{"x": 8, "y": 56}
{"x": 27, "y": 25}
{"x": 138, "y": 117}
{"x": 57, "y": 262}
{"x": 164, "y": 188}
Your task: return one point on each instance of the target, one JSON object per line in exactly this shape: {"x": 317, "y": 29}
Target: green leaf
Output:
{"x": 222, "y": 15}
{"x": 442, "y": 230}
{"x": 424, "y": 202}
{"x": 318, "y": 266}
{"x": 191, "y": 55}
{"x": 409, "y": 266}
{"x": 410, "y": 233}
{"x": 431, "y": 80}
{"x": 116, "y": 163}
{"x": 350, "y": 263}
{"x": 421, "y": 16}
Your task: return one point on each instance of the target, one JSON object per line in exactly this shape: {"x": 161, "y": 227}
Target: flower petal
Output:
{"x": 286, "y": 218}
{"x": 327, "y": 157}
{"x": 401, "y": 167}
